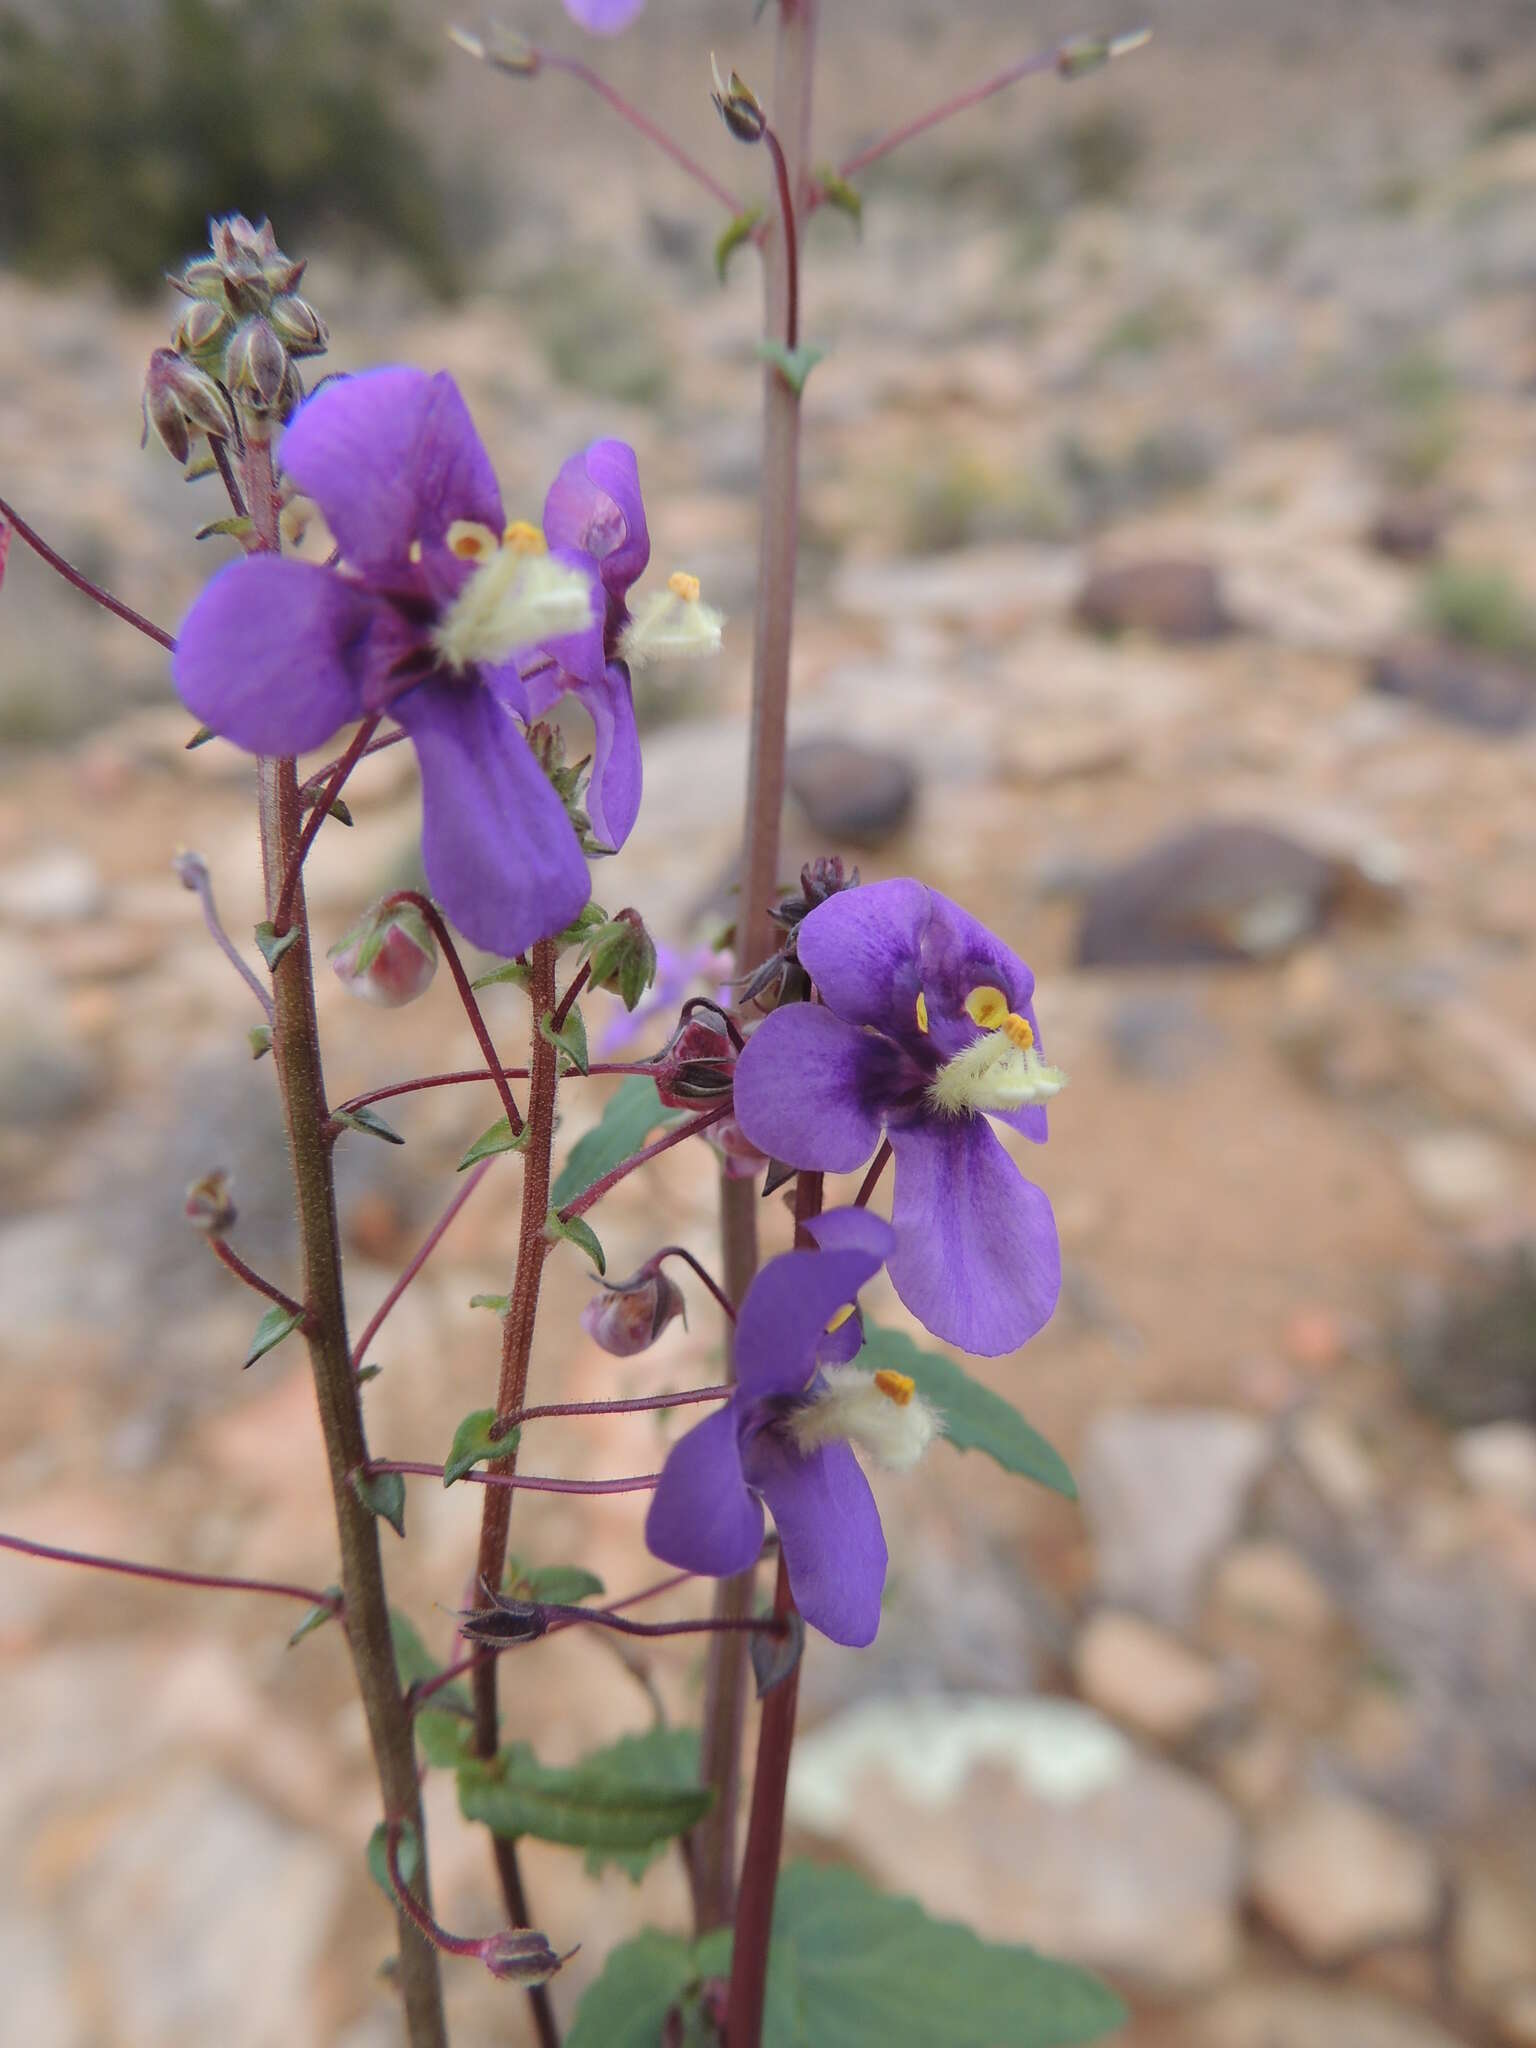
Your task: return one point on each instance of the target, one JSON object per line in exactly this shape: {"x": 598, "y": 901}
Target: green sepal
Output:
{"x": 272, "y": 947}
{"x": 794, "y": 365}
{"x": 368, "y": 1120}
{"x": 581, "y": 928}
{"x": 975, "y": 1419}
{"x": 571, "y": 1038}
{"x": 368, "y": 1372}
{"x": 259, "y": 1039}
{"x": 509, "y": 970}
{"x": 317, "y": 1617}
{"x": 499, "y": 1138}
{"x": 733, "y": 236}
{"x": 382, "y": 1493}
{"x": 472, "y": 1441}
{"x": 238, "y": 526}
{"x": 837, "y": 191}
{"x": 577, "y": 1231}
{"x": 274, "y": 1326}
{"x": 407, "y": 1856}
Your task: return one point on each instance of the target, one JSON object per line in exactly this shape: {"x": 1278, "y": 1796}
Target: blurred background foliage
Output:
{"x": 117, "y": 139}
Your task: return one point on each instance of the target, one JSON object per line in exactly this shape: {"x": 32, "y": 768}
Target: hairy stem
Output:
{"x": 228, "y": 1257}
{"x": 319, "y": 811}
{"x": 296, "y": 1057}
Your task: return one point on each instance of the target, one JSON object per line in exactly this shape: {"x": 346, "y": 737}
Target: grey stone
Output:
{"x": 851, "y": 795}
{"x": 1489, "y": 692}
{"x": 1172, "y": 600}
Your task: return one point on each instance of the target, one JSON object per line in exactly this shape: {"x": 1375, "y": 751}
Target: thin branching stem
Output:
{"x": 418, "y": 1259}
{"x": 78, "y": 580}
{"x": 171, "y": 1575}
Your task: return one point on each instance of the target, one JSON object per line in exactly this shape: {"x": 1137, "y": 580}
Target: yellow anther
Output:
{"x": 682, "y": 585}
{"x": 988, "y": 1006}
{"x": 895, "y": 1386}
{"x": 922, "y": 1012}
{"x": 413, "y": 552}
{"x": 470, "y": 541}
{"x": 1019, "y": 1030}
{"x": 840, "y": 1318}
{"x": 522, "y": 537}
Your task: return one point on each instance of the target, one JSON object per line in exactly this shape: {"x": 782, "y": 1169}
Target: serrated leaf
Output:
{"x": 630, "y": 1116}
{"x": 499, "y": 1138}
{"x": 238, "y": 526}
{"x": 499, "y": 1302}
{"x": 259, "y": 1038}
{"x": 628, "y": 2004}
{"x": 794, "y": 365}
{"x": 317, "y": 1617}
{"x": 382, "y": 1493}
{"x": 509, "y": 970}
{"x": 733, "y": 236}
{"x": 407, "y": 1856}
{"x": 588, "y": 1806}
{"x": 578, "y": 1231}
{"x": 272, "y": 948}
{"x": 975, "y": 1419}
{"x": 200, "y": 738}
{"x": 368, "y": 1120}
{"x": 274, "y": 1326}
{"x": 472, "y": 1441}
{"x": 553, "y": 1585}
{"x": 571, "y": 1038}
{"x": 663, "y": 1757}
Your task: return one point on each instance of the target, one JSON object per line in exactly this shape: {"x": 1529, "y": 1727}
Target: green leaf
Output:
{"x": 581, "y": 929}
{"x": 383, "y": 1493}
{"x": 509, "y": 970}
{"x": 271, "y": 947}
{"x": 274, "y": 1326}
{"x": 472, "y": 1441}
{"x": 317, "y": 1617}
{"x": 838, "y": 192}
{"x": 577, "y": 1231}
{"x": 733, "y": 236}
{"x": 975, "y": 1419}
{"x": 368, "y": 1120}
{"x": 446, "y": 1739}
{"x": 632, "y": 1113}
{"x": 368, "y": 1372}
{"x": 259, "y": 1038}
{"x": 663, "y": 1758}
{"x": 557, "y": 1585}
{"x": 627, "y": 2006}
{"x": 414, "y": 1661}
{"x": 571, "y": 1038}
{"x": 499, "y": 1138}
{"x": 407, "y": 1856}
{"x": 589, "y": 1806}
{"x": 794, "y": 365}
{"x": 238, "y": 527}
{"x": 500, "y": 1303}
{"x": 200, "y": 738}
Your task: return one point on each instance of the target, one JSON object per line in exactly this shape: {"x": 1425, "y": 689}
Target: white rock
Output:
{"x": 57, "y": 886}
{"x": 1458, "y": 1175}
{"x": 1337, "y": 1877}
{"x": 1498, "y": 1459}
{"x": 1311, "y": 2016}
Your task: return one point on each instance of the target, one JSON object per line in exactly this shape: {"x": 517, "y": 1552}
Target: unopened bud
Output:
{"x": 180, "y": 401}
{"x": 521, "y": 1956}
{"x": 200, "y": 278}
{"x": 298, "y": 325}
{"x": 739, "y": 1158}
{"x": 630, "y": 1315}
{"x": 738, "y": 106}
{"x": 256, "y": 365}
{"x": 191, "y": 870}
{"x": 209, "y": 1206}
{"x": 202, "y": 327}
{"x": 622, "y": 958}
{"x": 700, "y": 1063}
{"x": 388, "y": 957}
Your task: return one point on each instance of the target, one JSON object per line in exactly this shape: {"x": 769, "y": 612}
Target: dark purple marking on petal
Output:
{"x": 958, "y": 954}
{"x": 977, "y": 1259}
{"x": 276, "y": 655}
{"x": 812, "y": 1090}
{"x": 829, "y": 1526}
{"x": 702, "y": 1518}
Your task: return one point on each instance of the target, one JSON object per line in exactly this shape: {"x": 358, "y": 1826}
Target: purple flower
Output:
{"x": 924, "y": 1029}
{"x": 436, "y": 600}
{"x": 784, "y": 1437}
{"x": 604, "y": 17}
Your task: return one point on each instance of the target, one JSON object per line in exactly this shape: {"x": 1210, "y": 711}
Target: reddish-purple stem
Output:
{"x": 871, "y": 1180}
{"x": 310, "y": 790}
{"x": 228, "y": 1256}
{"x": 574, "y": 68}
{"x": 640, "y": 1405}
{"x": 456, "y": 1080}
{"x": 640, "y": 1482}
{"x": 415, "y": 1912}
{"x": 679, "y": 1132}
{"x": 82, "y": 582}
{"x": 563, "y": 1008}
{"x": 319, "y": 812}
{"x": 478, "y": 1025}
{"x": 677, "y": 1251}
{"x": 791, "y": 240}
{"x": 1042, "y": 60}
{"x": 420, "y": 1257}
{"x": 171, "y": 1577}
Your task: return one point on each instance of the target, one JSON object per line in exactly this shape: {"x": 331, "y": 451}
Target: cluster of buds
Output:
{"x": 781, "y": 978}
{"x": 232, "y": 362}
{"x": 548, "y": 744}
{"x": 621, "y": 957}
{"x": 388, "y": 957}
{"x": 629, "y": 1315}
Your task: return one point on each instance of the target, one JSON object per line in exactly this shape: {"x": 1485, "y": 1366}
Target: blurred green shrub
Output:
{"x": 1480, "y": 607}
{"x": 118, "y": 140}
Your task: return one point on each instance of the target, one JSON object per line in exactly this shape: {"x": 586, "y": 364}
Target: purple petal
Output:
{"x": 498, "y": 848}
{"x": 594, "y": 504}
{"x": 604, "y": 17}
{"x": 852, "y": 1230}
{"x": 391, "y": 457}
{"x": 976, "y": 1257}
{"x": 580, "y": 656}
{"x": 959, "y": 954}
{"x": 785, "y": 1312}
{"x": 702, "y": 1517}
{"x": 274, "y": 655}
{"x": 613, "y": 793}
{"x": 842, "y": 1345}
{"x": 861, "y": 949}
{"x": 834, "y": 1547}
{"x": 808, "y": 1088}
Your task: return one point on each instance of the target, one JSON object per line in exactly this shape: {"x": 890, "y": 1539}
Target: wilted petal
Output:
{"x": 594, "y": 504}
{"x": 785, "y": 1313}
{"x": 499, "y": 851}
{"x": 809, "y": 1088}
{"x": 391, "y": 457}
{"x": 274, "y": 655}
{"x": 976, "y": 1258}
{"x": 834, "y": 1547}
{"x": 702, "y": 1517}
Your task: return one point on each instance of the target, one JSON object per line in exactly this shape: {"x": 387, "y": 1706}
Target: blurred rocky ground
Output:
{"x": 1169, "y": 572}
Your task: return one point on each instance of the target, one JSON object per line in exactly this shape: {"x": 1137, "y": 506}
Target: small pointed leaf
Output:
{"x": 473, "y": 1440}
{"x": 272, "y": 947}
{"x": 274, "y": 1326}
{"x": 382, "y": 1493}
{"x": 368, "y": 1120}
{"x": 201, "y": 737}
{"x": 571, "y": 1038}
{"x": 838, "y": 192}
{"x": 774, "y": 1657}
{"x": 317, "y": 1617}
{"x": 259, "y": 1038}
{"x": 499, "y": 1138}
{"x": 578, "y": 1231}
{"x": 238, "y": 526}
{"x": 736, "y": 233}
{"x": 794, "y": 365}
{"x": 499, "y": 1303}
{"x": 509, "y": 970}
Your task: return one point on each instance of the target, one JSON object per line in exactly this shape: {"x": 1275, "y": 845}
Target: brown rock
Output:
{"x": 1171, "y": 599}
{"x": 851, "y": 795}
{"x": 1301, "y": 2015}
{"x": 1468, "y": 686}
{"x": 1270, "y": 1585}
{"x": 1258, "y": 1770}
{"x": 1410, "y": 528}
{"x": 1145, "y": 1678}
{"x": 1336, "y": 1877}
{"x": 1493, "y": 1943}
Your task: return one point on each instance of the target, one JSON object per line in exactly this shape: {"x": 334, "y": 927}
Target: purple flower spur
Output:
{"x": 436, "y": 611}
{"x": 785, "y": 1437}
{"x": 925, "y": 1029}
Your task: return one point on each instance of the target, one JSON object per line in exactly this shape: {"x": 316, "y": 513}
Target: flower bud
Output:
{"x": 622, "y": 957}
{"x": 179, "y": 401}
{"x": 521, "y": 1956}
{"x": 388, "y": 957}
{"x": 700, "y": 1063}
{"x": 202, "y": 327}
{"x": 739, "y": 1158}
{"x": 738, "y": 106}
{"x": 256, "y": 365}
{"x": 630, "y": 1315}
{"x": 202, "y": 277}
{"x": 298, "y": 326}
{"x": 209, "y": 1206}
